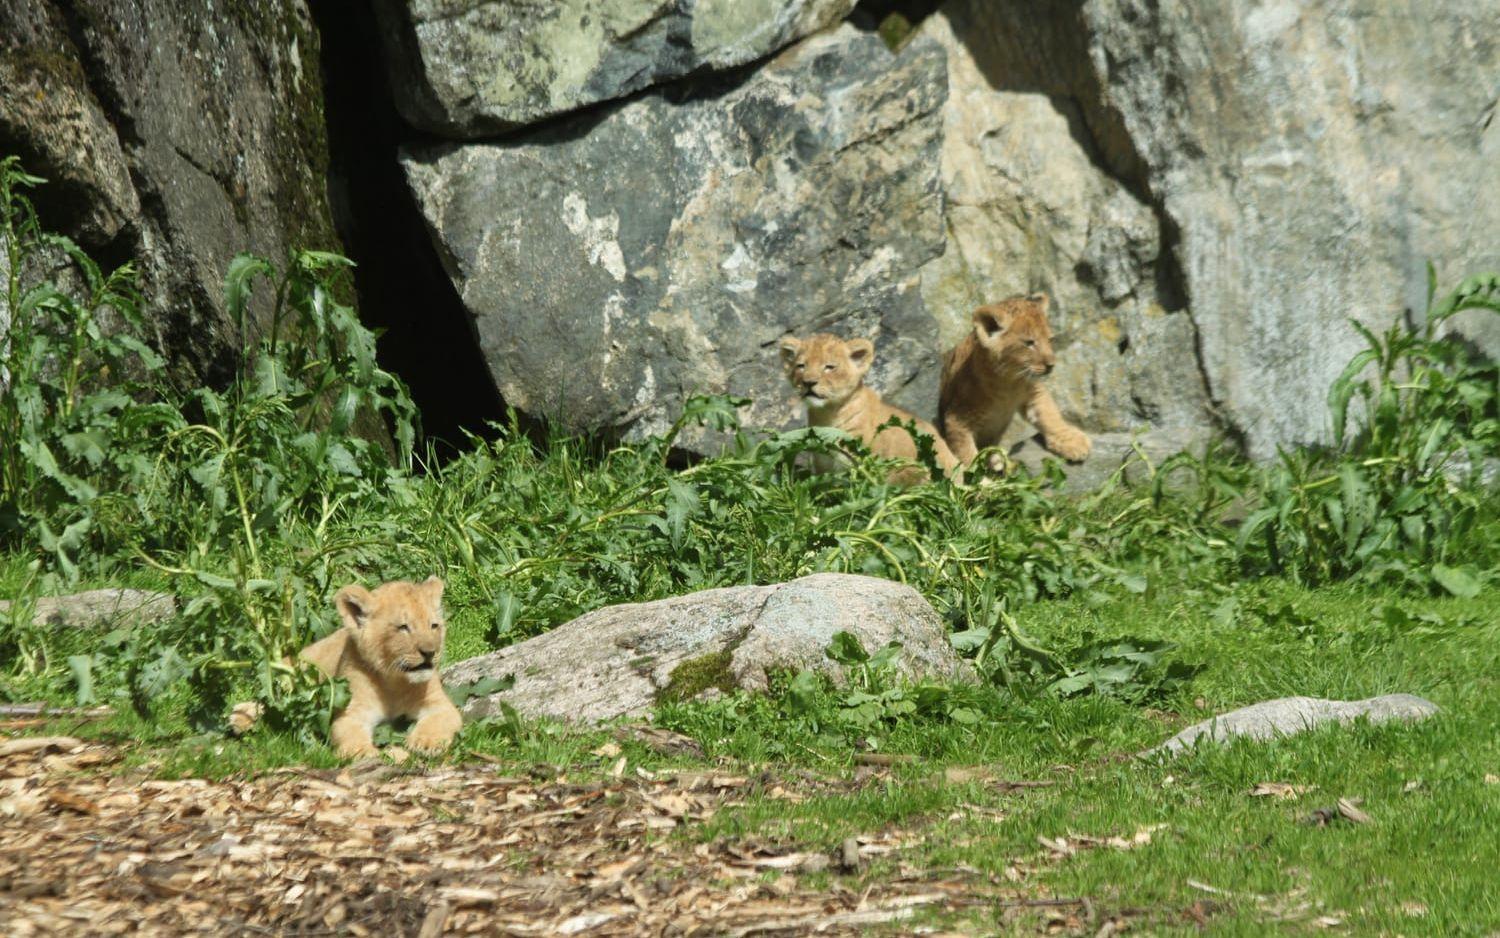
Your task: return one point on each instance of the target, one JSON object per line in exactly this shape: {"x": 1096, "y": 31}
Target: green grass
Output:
{"x": 1430, "y": 845}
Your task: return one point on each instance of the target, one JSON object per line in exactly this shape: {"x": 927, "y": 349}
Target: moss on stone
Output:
{"x": 697, "y": 675}
{"x": 895, "y": 29}
{"x": 300, "y": 160}
{"x": 44, "y": 65}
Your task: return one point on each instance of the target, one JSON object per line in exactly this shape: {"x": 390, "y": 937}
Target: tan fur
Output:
{"x": 829, "y": 374}
{"x": 392, "y": 671}
{"x": 995, "y": 373}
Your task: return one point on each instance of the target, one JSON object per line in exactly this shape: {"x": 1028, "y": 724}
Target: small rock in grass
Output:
{"x": 1287, "y": 716}
{"x": 101, "y": 608}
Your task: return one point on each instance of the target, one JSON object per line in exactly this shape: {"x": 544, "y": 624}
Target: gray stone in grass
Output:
{"x": 101, "y": 607}
{"x": 1288, "y": 716}
{"x": 622, "y": 660}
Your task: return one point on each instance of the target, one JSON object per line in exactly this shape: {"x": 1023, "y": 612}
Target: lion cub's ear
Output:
{"x": 1041, "y": 299}
{"x": 861, "y": 354}
{"x": 433, "y": 587}
{"x": 991, "y": 321}
{"x": 790, "y": 346}
{"x": 354, "y": 603}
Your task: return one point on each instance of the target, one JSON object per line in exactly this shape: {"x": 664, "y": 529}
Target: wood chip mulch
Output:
{"x": 457, "y": 850}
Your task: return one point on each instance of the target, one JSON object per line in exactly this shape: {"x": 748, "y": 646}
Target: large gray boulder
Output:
{"x": 173, "y": 135}
{"x": 470, "y": 68}
{"x": 1308, "y": 161}
{"x": 623, "y": 660}
{"x": 618, "y": 263}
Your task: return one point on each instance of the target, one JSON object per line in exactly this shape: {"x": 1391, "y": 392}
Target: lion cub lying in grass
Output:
{"x": 829, "y": 374}
{"x": 389, "y": 651}
{"x": 995, "y": 373}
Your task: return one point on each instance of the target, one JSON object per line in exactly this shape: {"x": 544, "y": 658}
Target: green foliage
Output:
{"x": 69, "y": 370}
{"x": 1134, "y": 670}
{"x": 233, "y": 494}
{"x": 1400, "y": 496}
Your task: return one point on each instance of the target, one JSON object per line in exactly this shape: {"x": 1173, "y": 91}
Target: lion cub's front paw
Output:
{"x": 356, "y": 751}
{"x": 429, "y": 739}
{"x": 1070, "y": 443}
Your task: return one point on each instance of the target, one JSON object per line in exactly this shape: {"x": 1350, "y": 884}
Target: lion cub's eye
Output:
{"x": 1031, "y": 343}
{"x": 801, "y": 365}
{"x": 403, "y": 627}
{"x": 436, "y": 626}
{"x": 828, "y": 367}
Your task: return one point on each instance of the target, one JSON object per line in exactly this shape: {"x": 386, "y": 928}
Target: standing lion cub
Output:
{"x": 995, "y": 373}
{"x": 389, "y": 651}
{"x": 829, "y": 375}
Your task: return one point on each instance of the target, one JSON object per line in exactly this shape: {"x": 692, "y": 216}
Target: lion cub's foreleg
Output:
{"x": 960, "y": 438}
{"x": 351, "y": 732}
{"x": 1060, "y": 437}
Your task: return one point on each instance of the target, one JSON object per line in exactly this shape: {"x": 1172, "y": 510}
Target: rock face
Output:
{"x": 173, "y": 137}
{"x": 50, "y": 119}
{"x": 1032, "y": 204}
{"x": 1211, "y": 190}
{"x": 623, "y": 659}
{"x": 467, "y": 68}
{"x": 619, "y": 263}
{"x": 1208, "y": 191}
{"x": 1309, "y": 162}
{"x": 1288, "y": 716}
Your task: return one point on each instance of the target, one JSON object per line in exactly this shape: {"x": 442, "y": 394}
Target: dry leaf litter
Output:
{"x": 382, "y": 850}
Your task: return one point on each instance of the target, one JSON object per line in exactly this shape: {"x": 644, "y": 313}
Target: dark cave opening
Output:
{"x": 428, "y": 337}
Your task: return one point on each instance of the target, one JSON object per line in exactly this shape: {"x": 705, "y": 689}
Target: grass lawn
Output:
{"x": 1424, "y": 863}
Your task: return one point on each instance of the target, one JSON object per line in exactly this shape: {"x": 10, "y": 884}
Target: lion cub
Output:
{"x": 995, "y": 372}
{"x": 829, "y": 375}
{"x": 389, "y": 651}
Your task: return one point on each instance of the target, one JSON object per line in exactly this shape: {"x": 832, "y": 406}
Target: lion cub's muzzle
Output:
{"x": 418, "y": 669}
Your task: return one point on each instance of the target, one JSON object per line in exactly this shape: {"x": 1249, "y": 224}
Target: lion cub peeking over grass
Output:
{"x": 389, "y": 651}
{"x": 995, "y": 373}
{"x": 829, "y": 374}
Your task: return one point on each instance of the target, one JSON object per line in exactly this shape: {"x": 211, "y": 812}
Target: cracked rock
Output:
{"x": 619, "y": 263}
{"x": 468, "y": 68}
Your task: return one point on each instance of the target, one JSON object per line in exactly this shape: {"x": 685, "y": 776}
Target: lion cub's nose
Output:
{"x": 427, "y": 656}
